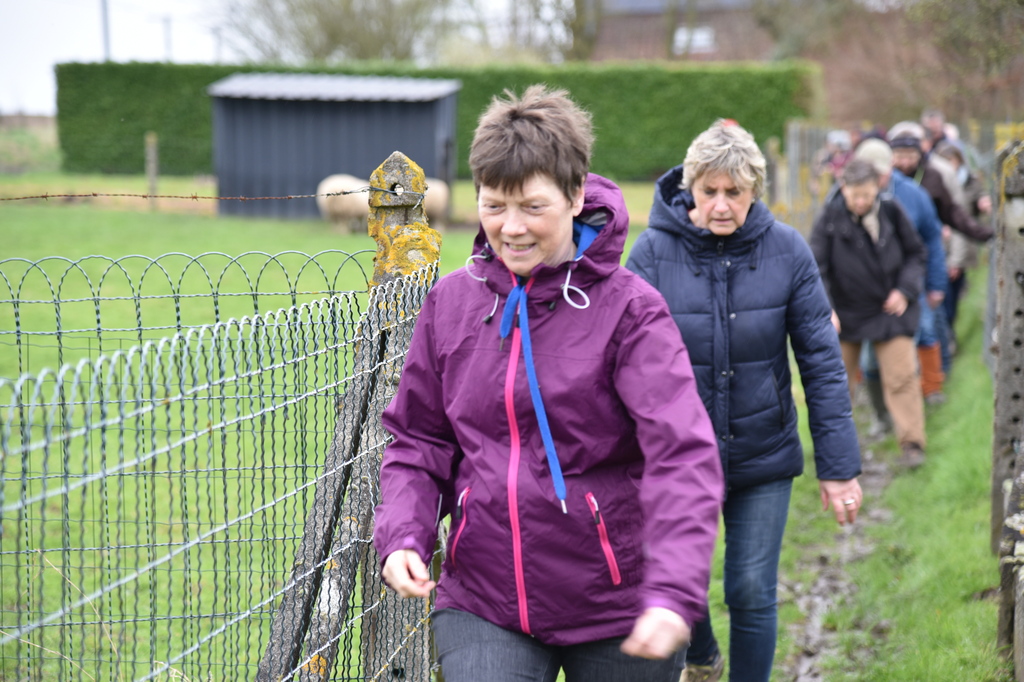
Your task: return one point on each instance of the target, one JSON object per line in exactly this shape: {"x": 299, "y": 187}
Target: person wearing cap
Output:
{"x": 907, "y": 140}
{"x": 928, "y": 139}
{"x": 743, "y": 288}
{"x": 872, "y": 263}
{"x": 921, "y": 211}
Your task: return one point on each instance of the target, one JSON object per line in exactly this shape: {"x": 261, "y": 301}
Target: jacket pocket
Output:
{"x": 606, "y": 545}
{"x": 459, "y": 522}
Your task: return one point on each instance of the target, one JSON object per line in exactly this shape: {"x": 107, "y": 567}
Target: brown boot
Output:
{"x": 932, "y": 378}
{"x": 712, "y": 672}
{"x": 913, "y": 455}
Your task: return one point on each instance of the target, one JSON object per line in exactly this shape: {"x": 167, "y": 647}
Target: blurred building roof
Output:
{"x": 334, "y": 88}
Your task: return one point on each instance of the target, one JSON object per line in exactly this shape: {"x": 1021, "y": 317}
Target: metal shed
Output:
{"x": 280, "y": 134}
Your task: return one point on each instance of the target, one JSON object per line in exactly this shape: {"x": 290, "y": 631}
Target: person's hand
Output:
{"x": 954, "y": 273}
{"x": 845, "y": 498}
{"x": 896, "y": 303}
{"x": 407, "y": 575}
{"x": 935, "y": 299}
{"x": 985, "y": 204}
{"x": 658, "y": 633}
{"x": 835, "y": 322}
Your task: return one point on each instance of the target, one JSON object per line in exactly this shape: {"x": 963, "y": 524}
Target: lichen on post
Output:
{"x": 398, "y": 222}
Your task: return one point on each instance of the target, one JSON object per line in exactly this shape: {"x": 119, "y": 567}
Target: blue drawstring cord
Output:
{"x": 583, "y": 235}
{"x": 517, "y": 299}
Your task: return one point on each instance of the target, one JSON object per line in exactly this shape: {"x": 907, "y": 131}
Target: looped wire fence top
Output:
{"x": 57, "y": 310}
{"x": 157, "y": 485}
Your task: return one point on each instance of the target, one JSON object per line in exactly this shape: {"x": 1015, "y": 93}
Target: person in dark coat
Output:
{"x": 921, "y": 211}
{"x": 909, "y": 156}
{"x": 742, "y": 287}
{"x": 872, "y": 262}
{"x": 547, "y": 404}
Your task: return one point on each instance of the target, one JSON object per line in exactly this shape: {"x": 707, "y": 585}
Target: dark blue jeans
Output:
{"x": 953, "y": 293}
{"x": 471, "y": 649}
{"x": 755, "y": 520}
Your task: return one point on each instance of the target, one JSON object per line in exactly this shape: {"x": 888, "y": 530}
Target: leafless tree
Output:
{"x": 538, "y": 26}
{"x": 546, "y": 30}
{"x": 799, "y": 25}
{"x": 981, "y": 41}
{"x": 300, "y": 31}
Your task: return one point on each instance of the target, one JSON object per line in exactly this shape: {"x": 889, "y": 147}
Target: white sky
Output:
{"x": 37, "y": 34}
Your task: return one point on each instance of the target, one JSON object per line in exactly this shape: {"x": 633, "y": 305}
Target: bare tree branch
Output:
{"x": 299, "y": 31}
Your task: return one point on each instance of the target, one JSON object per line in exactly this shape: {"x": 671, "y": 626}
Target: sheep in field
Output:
{"x": 348, "y": 212}
{"x": 435, "y": 203}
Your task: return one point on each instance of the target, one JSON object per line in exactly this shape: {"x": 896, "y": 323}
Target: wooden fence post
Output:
{"x": 152, "y": 166}
{"x": 315, "y": 603}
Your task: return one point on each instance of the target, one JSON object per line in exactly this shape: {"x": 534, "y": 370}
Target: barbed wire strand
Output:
{"x": 196, "y": 197}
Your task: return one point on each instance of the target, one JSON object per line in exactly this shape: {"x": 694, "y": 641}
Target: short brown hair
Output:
{"x": 543, "y": 131}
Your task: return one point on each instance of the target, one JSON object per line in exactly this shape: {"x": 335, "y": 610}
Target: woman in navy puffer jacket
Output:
{"x": 739, "y": 285}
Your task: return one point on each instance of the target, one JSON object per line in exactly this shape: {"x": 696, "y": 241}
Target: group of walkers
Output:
{"x": 894, "y": 242}
{"x": 585, "y": 425}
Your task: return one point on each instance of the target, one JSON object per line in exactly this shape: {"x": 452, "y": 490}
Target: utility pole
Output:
{"x": 216, "y": 44}
{"x": 105, "y": 17}
{"x": 167, "y": 37}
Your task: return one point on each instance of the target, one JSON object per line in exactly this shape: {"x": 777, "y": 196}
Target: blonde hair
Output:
{"x": 727, "y": 148}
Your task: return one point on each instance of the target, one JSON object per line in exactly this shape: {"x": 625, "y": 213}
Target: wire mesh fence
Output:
{"x": 186, "y": 487}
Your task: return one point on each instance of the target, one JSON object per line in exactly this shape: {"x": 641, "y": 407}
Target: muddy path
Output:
{"x": 829, "y": 582}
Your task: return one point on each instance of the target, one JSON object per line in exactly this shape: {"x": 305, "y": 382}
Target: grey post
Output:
{"x": 305, "y": 632}
{"x": 1007, "y": 468}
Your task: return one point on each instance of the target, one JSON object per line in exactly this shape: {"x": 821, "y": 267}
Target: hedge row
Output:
{"x": 645, "y": 114}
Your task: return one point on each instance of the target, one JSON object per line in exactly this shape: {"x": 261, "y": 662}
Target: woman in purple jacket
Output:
{"x": 548, "y": 404}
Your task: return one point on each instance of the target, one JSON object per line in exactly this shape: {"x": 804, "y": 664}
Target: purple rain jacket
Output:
{"x": 637, "y": 465}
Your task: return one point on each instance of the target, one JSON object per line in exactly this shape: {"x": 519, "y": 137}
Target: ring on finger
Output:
{"x": 849, "y": 502}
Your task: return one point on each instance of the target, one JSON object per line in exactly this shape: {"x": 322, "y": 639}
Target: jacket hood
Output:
{"x": 604, "y": 209}
{"x": 671, "y": 213}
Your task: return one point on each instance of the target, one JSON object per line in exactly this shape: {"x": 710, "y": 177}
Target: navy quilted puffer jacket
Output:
{"x": 737, "y": 301}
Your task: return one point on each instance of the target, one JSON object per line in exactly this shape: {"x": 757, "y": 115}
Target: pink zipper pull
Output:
{"x": 606, "y": 544}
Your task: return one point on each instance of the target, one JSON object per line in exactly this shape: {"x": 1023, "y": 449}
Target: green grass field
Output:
{"x": 914, "y": 615}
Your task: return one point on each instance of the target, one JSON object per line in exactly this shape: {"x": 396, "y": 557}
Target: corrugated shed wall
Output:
{"x": 286, "y": 147}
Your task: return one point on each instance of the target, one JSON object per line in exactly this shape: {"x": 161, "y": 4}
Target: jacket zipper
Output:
{"x": 513, "y": 479}
{"x": 606, "y": 545}
{"x": 460, "y": 518}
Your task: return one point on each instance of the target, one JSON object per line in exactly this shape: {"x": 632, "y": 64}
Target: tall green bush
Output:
{"x": 645, "y": 113}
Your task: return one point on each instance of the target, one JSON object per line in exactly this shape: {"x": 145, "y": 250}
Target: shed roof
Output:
{"x": 328, "y": 87}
